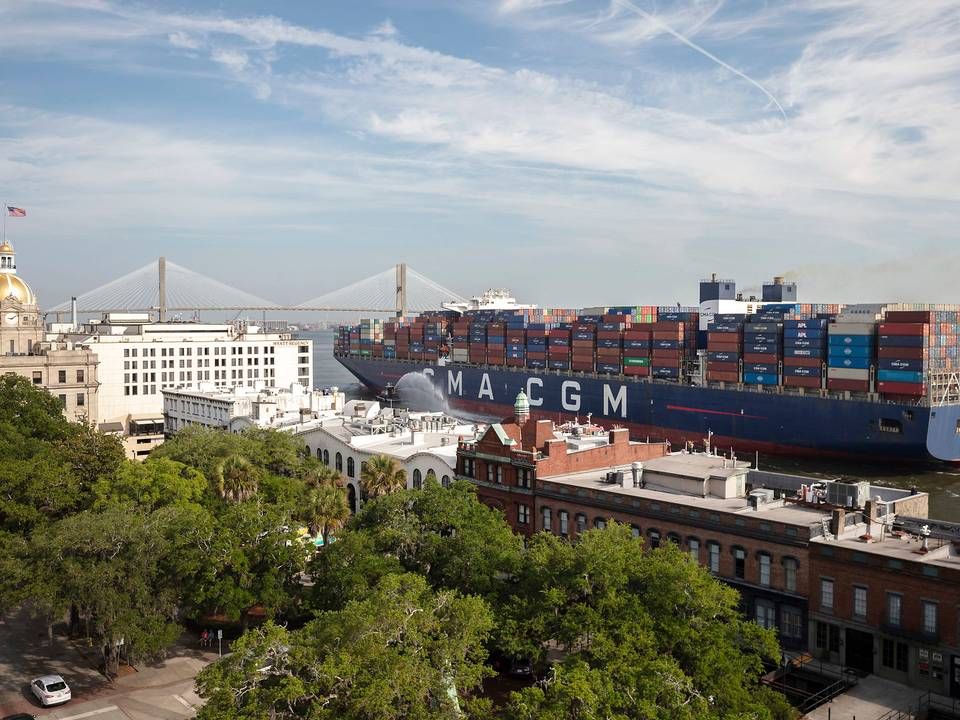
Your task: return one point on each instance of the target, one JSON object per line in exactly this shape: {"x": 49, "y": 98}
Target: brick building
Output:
{"x": 886, "y": 600}
{"x": 752, "y": 529}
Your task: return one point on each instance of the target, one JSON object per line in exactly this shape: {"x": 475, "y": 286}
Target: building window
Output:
{"x": 764, "y": 569}
{"x": 894, "y": 609}
{"x": 545, "y": 518}
{"x": 564, "y": 522}
{"x": 61, "y": 376}
{"x": 766, "y": 614}
{"x": 319, "y": 454}
{"x": 81, "y": 399}
{"x": 523, "y": 477}
{"x": 828, "y": 637}
{"x": 894, "y": 655}
{"x": 350, "y": 467}
{"x": 445, "y": 481}
{"x": 673, "y": 538}
{"x": 417, "y": 479}
{"x": 79, "y": 376}
{"x": 713, "y": 554}
{"x": 694, "y": 546}
{"x": 489, "y": 472}
{"x": 599, "y": 523}
{"x": 826, "y": 593}
{"x": 929, "y": 615}
{"x": 792, "y": 623}
{"x": 523, "y": 514}
{"x": 326, "y": 457}
{"x": 37, "y": 377}
{"x": 635, "y": 531}
{"x": 499, "y": 474}
{"x": 339, "y": 461}
{"x": 581, "y": 523}
{"x": 654, "y": 537}
{"x": 431, "y": 475}
{"x": 63, "y": 400}
{"x": 790, "y": 574}
{"x": 740, "y": 563}
{"x": 859, "y": 602}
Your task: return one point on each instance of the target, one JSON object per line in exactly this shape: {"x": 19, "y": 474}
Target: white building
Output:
{"x": 423, "y": 444}
{"x": 139, "y": 359}
{"x": 239, "y": 408}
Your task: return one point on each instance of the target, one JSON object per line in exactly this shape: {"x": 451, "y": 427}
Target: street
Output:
{"x": 161, "y": 691}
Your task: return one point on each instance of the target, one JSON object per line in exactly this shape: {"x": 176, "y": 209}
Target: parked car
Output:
{"x": 19, "y": 716}
{"x": 50, "y": 690}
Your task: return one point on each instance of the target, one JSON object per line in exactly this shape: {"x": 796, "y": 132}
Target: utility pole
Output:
{"x": 162, "y": 272}
{"x": 401, "y": 289}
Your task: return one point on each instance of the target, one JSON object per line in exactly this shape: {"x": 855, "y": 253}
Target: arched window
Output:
{"x": 349, "y": 467}
{"x": 445, "y": 481}
{"x": 546, "y": 522}
{"x": 654, "y": 536}
{"x": 713, "y": 556}
{"x": 352, "y": 499}
{"x": 581, "y": 523}
{"x": 564, "y": 518}
{"x": 763, "y": 560}
{"x": 339, "y": 463}
{"x": 431, "y": 475}
{"x": 790, "y": 567}
{"x": 326, "y": 458}
{"x": 674, "y": 538}
{"x": 319, "y": 454}
{"x": 693, "y": 544}
{"x": 417, "y": 479}
{"x": 363, "y": 468}
{"x": 635, "y": 531}
{"x": 599, "y": 523}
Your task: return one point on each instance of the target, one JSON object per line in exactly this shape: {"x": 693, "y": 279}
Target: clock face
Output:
{"x": 11, "y": 318}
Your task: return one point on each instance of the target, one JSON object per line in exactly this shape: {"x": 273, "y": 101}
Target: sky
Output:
{"x": 578, "y": 152}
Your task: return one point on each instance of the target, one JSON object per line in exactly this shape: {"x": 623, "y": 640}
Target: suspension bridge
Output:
{"x": 164, "y": 287}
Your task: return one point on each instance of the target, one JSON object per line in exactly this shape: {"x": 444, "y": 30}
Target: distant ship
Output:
{"x": 770, "y": 375}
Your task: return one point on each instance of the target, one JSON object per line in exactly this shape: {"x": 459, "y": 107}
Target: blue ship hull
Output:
{"x": 744, "y": 420}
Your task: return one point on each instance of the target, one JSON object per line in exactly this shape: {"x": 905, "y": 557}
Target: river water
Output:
{"x": 941, "y": 481}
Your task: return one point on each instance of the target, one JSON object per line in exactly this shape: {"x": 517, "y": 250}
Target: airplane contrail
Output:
{"x": 706, "y": 53}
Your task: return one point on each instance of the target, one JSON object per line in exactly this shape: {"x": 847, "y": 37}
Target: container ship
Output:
{"x": 767, "y": 374}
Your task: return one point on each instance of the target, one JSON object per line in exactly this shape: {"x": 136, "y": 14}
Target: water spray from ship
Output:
{"x": 418, "y": 393}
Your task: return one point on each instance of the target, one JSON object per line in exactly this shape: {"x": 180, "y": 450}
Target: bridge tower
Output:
{"x": 401, "y": 289}
{"x": 162, "y": 299}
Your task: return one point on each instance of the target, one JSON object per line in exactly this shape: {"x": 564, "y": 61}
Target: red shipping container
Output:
{"x": 665, "y": 354}
{"x": 673, "y": 362}
{"x": 762, "y": 358}
{"x": 536, "y": 355}
{"x": 804, "y": 382}
{"x": 723, "y": 376}
{"x": 724, "y": 347}
{"x": 902, "y": 388}
{"x": 636, "y": 370}
{"x": 636, "y": 352}
{"x": 904, "y": 329}
{"x": 667, "y": 335}
{"x": 637, "y": 334}
{"x": 558, "y": 333}
{"x": 580, "y": 365}
{"x": 663, "y": 325}
{"x": 734, "y": 338}
{"x": 608, "y": 352}
{"x": 850, "y": 385}
{"x": 583, "y": 344}
{"x": 516, "y": 362}
{"x": 641, "y": 328}
{"x": 584, "y": 327}
{"x": 909, "y": 316}
{"x": 713, "y": 366}
{"x": 797, "y": 362}
{"x": 903, "y": 353}
{"x": 609, "y": 335}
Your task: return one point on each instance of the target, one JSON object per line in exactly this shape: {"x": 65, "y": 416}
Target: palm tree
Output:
{"x": 319, "y": 475}
{"x": 236, "y": 478}
{"x": 382, "y": 476}
{"x": 327, "y": 511}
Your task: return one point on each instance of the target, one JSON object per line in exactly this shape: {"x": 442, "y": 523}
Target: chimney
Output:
{"x": 618, "y": 436}
{"x": 73, "y": 313}
{"x": 869, "y": 510}
{"x": 837, "y": 520}
{"x": 636, "y": 469}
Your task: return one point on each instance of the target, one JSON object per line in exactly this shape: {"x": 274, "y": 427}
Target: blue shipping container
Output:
{"x": 667, "y": 344}
{"x": 864, "y": 351}
{"x": 847, "y": 339}
{"x": 803, "y": 333}
{"x": 805, "y": 324}
{"x": 804, "y": 343}
{"x": 761, "y": 338}
{"x": 905, "y": 376}
{"x": 853, "y": 363}
{"x": 608, "y": 368}
{"x": 760, "y": 348}
{"x": 611, "y": 343}
{"x": 760, "y": 379}
{"x": 795, "y": 371}
{"x": 804, "y": 352}
{"x": 760, "y": 368}
{"x": 903, "y": 340}
{"x": 723, "y": 356}
{"x": 665, "y": 372}
{"x": 636, "y": 344}
{"x": 912, "y": 365}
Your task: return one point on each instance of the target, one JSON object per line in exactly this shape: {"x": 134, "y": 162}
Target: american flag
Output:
{"x": 16, "y": 212}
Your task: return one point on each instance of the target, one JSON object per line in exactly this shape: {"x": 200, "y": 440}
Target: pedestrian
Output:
{"x": 204, "y": 638}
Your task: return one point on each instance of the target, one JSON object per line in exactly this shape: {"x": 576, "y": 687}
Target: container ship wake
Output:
{"x": 880, "y": 382}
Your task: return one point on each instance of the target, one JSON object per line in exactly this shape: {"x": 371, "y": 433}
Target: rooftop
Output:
{"x": 892, "y": 542}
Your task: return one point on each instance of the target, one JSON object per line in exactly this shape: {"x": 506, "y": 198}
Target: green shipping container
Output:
{"x": 637, "y": 362}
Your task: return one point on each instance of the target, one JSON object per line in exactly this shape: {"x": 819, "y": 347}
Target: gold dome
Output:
{"x": 6, "y": 248}
{"x": 14, "y": 287}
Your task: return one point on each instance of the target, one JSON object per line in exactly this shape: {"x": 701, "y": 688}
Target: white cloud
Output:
{"x": 182, "y": 40}
{"x": 233, "y": 60}
{"x": 385, "y": 29}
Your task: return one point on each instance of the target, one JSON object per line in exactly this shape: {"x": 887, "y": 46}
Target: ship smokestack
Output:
{"x": 73, "y": 312}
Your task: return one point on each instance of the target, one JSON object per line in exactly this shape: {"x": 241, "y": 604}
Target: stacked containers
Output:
{"x": 903, "y": 350}
{"x": 516, "y": 344}
{"x": 390, "y": 339}
{"x": 610, "y": 340}
{"x": 558, "y": 349}
{"x": 416, "y": 339}
{"x": 433, "y": 336}
{"x": 762, "y": 347}
{"x": 724, "y": 348}
{"x": 537, "y": 346}
{"x": 460, "y": 340}
{"x": 583, "y": 344}
{"x": 851, "y": 349}
{"x": 667, "y": 348}
{"x": 403, "y": 342}
{"x": 805, "y": 350}
{"x": 478, "y": 342}
{"x": 637, "y": 346}
{"x": 496, "y": 343}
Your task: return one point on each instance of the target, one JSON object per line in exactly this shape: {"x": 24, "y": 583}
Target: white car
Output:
{"x": 50, "y": 690}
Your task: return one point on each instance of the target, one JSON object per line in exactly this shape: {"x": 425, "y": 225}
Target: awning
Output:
{"x": 109, "y": 427}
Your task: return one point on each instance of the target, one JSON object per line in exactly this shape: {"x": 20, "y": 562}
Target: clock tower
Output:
{"x": 21, "y": 327}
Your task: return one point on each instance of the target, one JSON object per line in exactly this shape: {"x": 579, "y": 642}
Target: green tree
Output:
{"x": 154, "y": 483}
{"x": 650, "y": 636}
{"x": 445, "y": 534}
{"x": 327, "y": 511}
{"x": 237, "y": 478}
{"x": 403, "y": 652}
{"x": 347, "y": 570}
{"x": 382, "y": 476}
